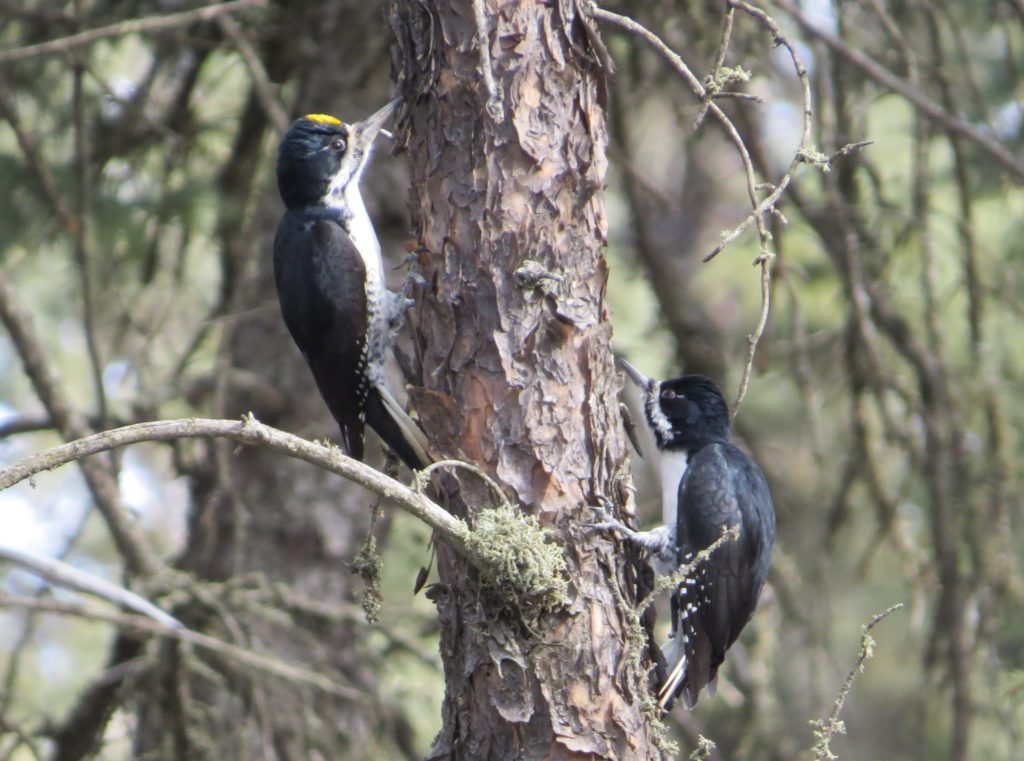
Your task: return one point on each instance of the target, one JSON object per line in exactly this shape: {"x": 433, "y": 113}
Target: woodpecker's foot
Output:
{"x": 401, "y": 302}
{"x": 398, "y": 304}
{"x": 659, "y": 542}
{"x": 605, "y": 521}
{"x": 412, "y": 280}
{"x": 612, "y": 525}
{"x": 401, "y": 305}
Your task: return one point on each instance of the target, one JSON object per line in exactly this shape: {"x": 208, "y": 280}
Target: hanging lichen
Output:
{"x": 367, "y": 563}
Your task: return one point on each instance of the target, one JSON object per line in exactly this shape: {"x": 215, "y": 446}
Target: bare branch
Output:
{"x": 260, "y": 78}
{"x": 765, "y": 260}
{"x": 62, "y": 574}
{"x": 19, "y": 424}
{"x": 421, "y": 477}
{"x": 83, "y": 253}
{"x": 131, "y": 26}
{"x": 1013, "y": 164}
{"x": 804, "y": 151}
{"x": 131, "y": 543}
{"x": 33, "y": 157}
{"x": 676, "y": 62}
{"x": 257, "y": 661}
{"x": 252, "y": 432}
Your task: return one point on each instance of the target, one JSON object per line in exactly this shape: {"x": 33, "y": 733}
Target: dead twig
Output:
{"x": 915, "y": 95}
{"x": 262, "y": 84}
{"x": 627, "y": 24}
{"x": 254, "y": 660}
{"x": 760, "y": 207}
{"x": 64, "y": 575}
{"x": 131, "y": 26}
{"x": 765, "y": 260}
{"x": 826, "y": 729}
{"x": 421, "y": 477}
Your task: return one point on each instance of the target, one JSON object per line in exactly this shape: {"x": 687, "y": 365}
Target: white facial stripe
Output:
{"x": 346, "y": 178}
{"x": 349, "y": 171}
{"x": 661, "y": 424}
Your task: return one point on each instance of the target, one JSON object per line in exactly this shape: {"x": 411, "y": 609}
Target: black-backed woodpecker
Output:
{"x": 330, "y": 279}
{"x": 708, "y": 485}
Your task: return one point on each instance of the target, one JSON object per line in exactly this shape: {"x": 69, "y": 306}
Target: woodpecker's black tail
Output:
{"x": 688, "y": 655}
{"x": 385, "y": 415}
{"x": 352, "y": 435}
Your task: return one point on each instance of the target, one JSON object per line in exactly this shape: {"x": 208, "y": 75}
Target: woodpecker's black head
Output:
{"x": 685, "y": 413}
{"x": 320, "y": 156}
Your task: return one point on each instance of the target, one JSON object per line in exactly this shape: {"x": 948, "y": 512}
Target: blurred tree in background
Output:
{"x": 136, "y": 150}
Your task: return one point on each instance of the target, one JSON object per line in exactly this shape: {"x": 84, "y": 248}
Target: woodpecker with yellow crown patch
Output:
{"x": 330, "y": 279}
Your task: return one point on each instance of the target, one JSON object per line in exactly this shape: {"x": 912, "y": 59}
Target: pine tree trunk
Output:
{"x": 518, "y": 374}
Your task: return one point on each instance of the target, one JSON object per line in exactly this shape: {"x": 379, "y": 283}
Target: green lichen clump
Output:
{"x": 525, "y": 566}
{"x": 368, "y": 565}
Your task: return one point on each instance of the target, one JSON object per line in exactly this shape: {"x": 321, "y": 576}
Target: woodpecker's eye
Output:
{"x": 338, "y": 144}
{"x": 669, "y": 394}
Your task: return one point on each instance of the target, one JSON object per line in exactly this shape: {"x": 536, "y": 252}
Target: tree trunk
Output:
{"x": 514, "y": 345}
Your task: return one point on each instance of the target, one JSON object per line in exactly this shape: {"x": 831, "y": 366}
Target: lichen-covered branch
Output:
{"x": 250, "y": 431}
{"x": 826, "y": 729}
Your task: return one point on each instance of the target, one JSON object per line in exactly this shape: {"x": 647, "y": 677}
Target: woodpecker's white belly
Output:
{"x": 672, "y": 466}
{"x": 360, "y": 230}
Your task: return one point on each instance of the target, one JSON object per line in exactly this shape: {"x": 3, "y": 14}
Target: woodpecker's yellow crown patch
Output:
{"x": 323, "y": 119}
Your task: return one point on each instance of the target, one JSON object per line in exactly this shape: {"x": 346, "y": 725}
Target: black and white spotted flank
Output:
{"x": 708, "y": 485}
{"x": 330, "y": 280}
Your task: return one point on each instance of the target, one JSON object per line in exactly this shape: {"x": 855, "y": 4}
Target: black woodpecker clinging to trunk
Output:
{"x": 708, "y": 484}
{"x": 330, "y": 279}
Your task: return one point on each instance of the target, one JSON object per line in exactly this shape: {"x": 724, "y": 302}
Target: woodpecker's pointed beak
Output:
{"x": 635, "y": 375}
{"x": 366, "y": 130}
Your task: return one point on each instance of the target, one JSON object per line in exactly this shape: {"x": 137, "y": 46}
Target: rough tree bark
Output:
{"x": 517, "y": 370}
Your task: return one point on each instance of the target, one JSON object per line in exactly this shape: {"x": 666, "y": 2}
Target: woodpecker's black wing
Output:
{"x": 386, "y": 416}
{"x": 320, "y": 280}
{"x": 722, "y": 487}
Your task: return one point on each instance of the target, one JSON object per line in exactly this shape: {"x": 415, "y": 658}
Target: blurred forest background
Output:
{"x": 885, "y": 402}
